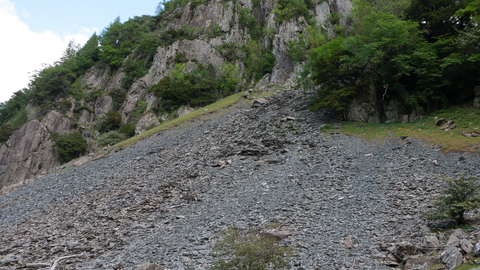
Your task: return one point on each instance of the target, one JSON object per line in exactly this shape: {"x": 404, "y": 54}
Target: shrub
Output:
{"x": 118, "y": 98}
{"x": 83, "y": 107}
{"x": 64, "y": 105}
{"x": 287, "y": 9}
{"x": 134, "y": 69}
{"x": 110, "y": 137}
{"x": 228, "y": 50}
{"x": 181, "y": 58}
{"x": 5, "y": 131}
{"x": 128, "y": 130}
{"x": 196, "y": 88}
{"x": 112, "y": 121}
{"x": 459, "y": 196}
{"x": 258, "y": 60}
{"x": 249, "y": 250}
{"x": 70, "y": 146}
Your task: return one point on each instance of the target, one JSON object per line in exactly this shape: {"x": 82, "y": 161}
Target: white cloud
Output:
{"x": 25, "y": 14}
{"x": 23, "y": 51}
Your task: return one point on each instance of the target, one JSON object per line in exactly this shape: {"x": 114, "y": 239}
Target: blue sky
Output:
{"x": 38, "y": 32}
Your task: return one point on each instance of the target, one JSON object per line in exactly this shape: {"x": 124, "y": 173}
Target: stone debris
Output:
{"x": 161, "y": 201}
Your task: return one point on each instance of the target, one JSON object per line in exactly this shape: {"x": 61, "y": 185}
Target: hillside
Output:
{"x": 388, "y": 61}
{"x": 135, "y": 75}
{"x": 166, "y": 199}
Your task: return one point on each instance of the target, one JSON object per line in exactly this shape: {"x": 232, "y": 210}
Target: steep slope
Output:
{"x": 165, "y": 199}
{"x": 206, "y": 28}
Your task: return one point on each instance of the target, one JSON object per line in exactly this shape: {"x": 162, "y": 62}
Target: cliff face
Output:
{"x": 30, "y": 150}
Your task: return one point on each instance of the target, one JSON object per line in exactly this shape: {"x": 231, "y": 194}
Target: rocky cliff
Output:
{"x": 30, "y": 150}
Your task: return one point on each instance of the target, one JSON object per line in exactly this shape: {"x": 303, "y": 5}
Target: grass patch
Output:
{"x": 467, "y": 119}
{"x": 466, "y": 266}
{"x": 221, "y": 104}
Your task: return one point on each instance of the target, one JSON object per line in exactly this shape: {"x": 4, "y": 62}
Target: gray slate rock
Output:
{"x": 420, "y": 263}
{"x": 451, "y": 257}
{"x": 404, "y": 250}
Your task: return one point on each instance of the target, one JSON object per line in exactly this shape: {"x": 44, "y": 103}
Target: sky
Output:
{"x": 33, "y": 32}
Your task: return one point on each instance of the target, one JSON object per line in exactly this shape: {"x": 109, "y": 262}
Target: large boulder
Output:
{"x": 404, "y": 250}
{"x": 430, "y": 241}
{"x": 420, "y": 263}
{"x": 452, "y": 257}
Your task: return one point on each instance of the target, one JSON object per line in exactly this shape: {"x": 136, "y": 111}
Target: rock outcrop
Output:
{"x": 27, "y": 152}
{"x": 100, "y": 81}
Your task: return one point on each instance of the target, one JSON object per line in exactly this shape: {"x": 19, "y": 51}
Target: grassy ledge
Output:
{"x": 221, "y": 104}
{"x": 466, "y": 118}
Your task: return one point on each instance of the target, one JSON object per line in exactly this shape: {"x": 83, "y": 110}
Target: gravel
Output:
{"x": 165, "y": 199}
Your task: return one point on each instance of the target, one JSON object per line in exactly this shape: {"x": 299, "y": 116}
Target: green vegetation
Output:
{"x": 111, "y": 121}
{"x": 312, "y": 37}
{"x": 196, "y": 88}
{"x": 219, "y": 105}
{"x": 5, "y": 131}
{"x": 288, "y": 9}
{"x": 459, "y": 196}
{"x": 70, "y": 146}
{"x": 118, "y": 97}
{"x": 467, "y": 119}
{"x": 128, "y": 130}
{"x": 258, "y": 61}
{"x": 425, "y": 63}
{"x": 250, "y": 250}
{"x": 111, "y": 137}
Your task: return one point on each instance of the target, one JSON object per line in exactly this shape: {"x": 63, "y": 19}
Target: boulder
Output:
{"x": 459, "y": 233}
{"x": 420, "y": 263}
{"x": 278, "y": 234}
{"x": 348, "y": 242}
{"x": 451, "y": 257}
{"x": 453, "y": 241}
{"x": 466, "y": 246}
{"x": 404, "y": 250}
{"x": 430, "y": 241}
{"x": 146, "y": 122}
{"x": 259, "y": 102}
{"x": 440, "y": 121}
{"x": 476, "y": 250}
{"x": 184, "y": 110}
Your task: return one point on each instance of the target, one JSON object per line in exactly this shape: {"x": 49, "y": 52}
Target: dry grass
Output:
{"x": 214, "y": 107}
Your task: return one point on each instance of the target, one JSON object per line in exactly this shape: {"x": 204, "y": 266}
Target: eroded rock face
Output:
{"x": 97, "y": 77}
{"x": 56, "y": 123}
{"x": 368, "y": 106}
{"x": 28, "y": 151}
{"x": 146, "y": 122}
{"x": 103, "y": 105}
